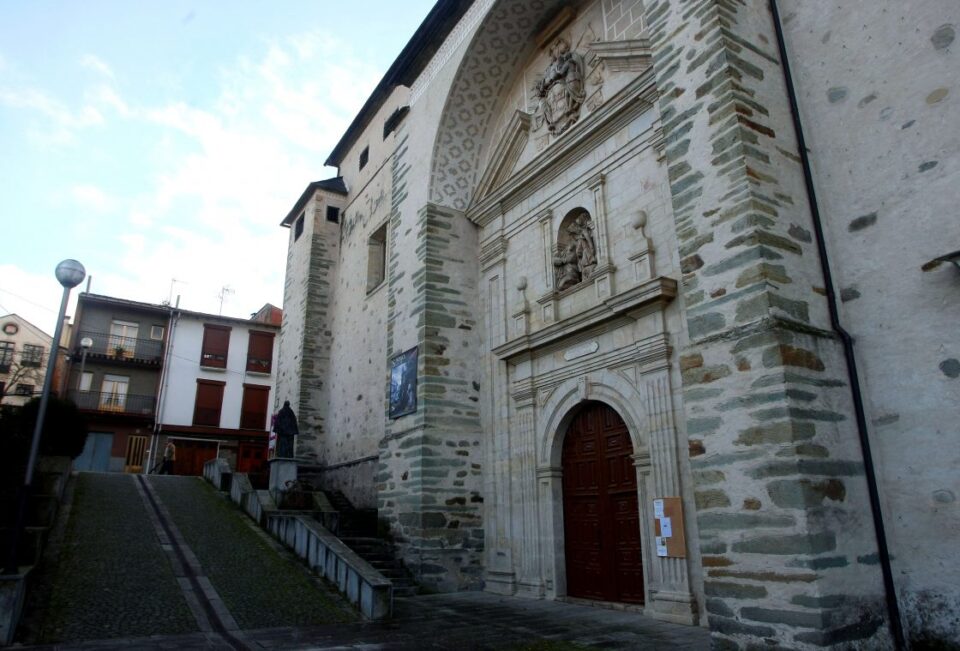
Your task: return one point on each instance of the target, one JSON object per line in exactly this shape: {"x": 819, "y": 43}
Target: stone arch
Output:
{"x": 607, "y": 387}
{"x": 488, "y": 66}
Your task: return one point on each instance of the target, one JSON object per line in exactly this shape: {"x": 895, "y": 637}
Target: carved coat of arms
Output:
{"x": 561, "y": 91}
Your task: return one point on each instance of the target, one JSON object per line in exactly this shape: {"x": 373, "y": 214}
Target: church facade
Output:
{"x": 650, "y": 303}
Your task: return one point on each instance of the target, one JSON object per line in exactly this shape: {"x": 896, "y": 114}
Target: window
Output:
{"x": 298, "y": 228}
{"x": 392, "y": 122}
{"x": 364, "y": 157}
{"x": 156, "y": 332}
{"x": 206, "y": 409}
{"x": 376, "y": 258}
{"x": 113, "y": 393}
{"x": 253, "y": 413}
{"x": 260, "y": 352}
{"x": 216, "y": 342}
{"x": 32, "y": 356}
{"x": 123, "y": 338}
{"x": 24, "y": 390}
{"x": 6, "y": 356}
{"x": 86, "y": 381}
{"x": 333, "y": 214}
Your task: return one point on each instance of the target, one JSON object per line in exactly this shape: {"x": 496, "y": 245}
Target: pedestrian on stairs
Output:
{"x": 169, "y": 456}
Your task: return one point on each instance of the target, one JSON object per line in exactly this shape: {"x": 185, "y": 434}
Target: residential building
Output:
{"x": 605, "y": 304}
{"x": 114, "y": 381}
{"x": 217, "y": 393}
{"x": 24, "y": 355}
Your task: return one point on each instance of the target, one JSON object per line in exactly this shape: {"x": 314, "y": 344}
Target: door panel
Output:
{"x": 96, "y": 453}
{"x": 600, "y": 509}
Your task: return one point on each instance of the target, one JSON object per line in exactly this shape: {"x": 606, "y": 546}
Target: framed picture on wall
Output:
{"x": 403, "y": 383}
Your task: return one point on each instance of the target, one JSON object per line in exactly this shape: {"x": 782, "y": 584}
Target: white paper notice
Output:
{"x": 658, "y": 508}
{"x": 661, "y": 546}
{"x": 666, "y": 528}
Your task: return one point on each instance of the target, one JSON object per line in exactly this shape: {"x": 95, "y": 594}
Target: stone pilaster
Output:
{"x": 788, "y": 553}
{"x": 429, "y": 477}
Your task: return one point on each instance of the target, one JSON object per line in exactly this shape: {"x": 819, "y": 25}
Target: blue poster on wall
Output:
{"x": 403, "y": 384}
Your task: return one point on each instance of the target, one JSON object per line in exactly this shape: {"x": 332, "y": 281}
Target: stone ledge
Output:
{"x": 329, "y": 557}
{"x": 633, "y": 303}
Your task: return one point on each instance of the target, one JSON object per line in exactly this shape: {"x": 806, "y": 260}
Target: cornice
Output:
{"x": 633, "y": 303}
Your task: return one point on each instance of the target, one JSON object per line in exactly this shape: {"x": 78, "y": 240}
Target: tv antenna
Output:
{"x": 224, "y": 291}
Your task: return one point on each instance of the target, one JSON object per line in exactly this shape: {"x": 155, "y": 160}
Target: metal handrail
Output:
{"x": 120, "y": 347}
{"x": 114, "y": 402}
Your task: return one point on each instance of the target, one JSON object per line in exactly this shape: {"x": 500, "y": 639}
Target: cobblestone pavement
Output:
{"x": 111, "y": 578}
{"x": 470, "y": 621}
{"x": 102, "y": 604}
{"x": 259, "y": 586}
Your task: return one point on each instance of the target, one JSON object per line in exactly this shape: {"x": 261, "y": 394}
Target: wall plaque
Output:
{"x": 403, "y": 383}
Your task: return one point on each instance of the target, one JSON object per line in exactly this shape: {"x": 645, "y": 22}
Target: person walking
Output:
{"x": 169, "y": 456}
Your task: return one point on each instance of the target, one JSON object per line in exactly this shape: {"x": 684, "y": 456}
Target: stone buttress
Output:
{"x": 788, "y": 548}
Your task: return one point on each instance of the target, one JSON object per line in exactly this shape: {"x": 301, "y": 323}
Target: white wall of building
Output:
{"x": 183, "y": 369}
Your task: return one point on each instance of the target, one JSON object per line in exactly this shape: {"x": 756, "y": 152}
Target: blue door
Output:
{"x": 96, "y": 453}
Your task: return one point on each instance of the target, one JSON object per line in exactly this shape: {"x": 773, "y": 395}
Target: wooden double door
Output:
{"x": 601, "y": 521}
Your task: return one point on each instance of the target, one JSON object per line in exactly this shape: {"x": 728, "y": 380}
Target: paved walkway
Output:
{"x": 167, "y": 563}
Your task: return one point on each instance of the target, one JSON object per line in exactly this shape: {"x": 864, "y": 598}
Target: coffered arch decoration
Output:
{"x": 604, "y": 386}
{"x": 468, "y": 116}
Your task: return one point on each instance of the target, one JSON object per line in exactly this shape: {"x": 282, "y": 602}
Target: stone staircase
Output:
{"x": 357, "y": 528}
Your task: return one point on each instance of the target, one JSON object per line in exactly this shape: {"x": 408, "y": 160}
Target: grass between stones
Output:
{"x": 259, "y": 587}
{"x": 112, "y": 578}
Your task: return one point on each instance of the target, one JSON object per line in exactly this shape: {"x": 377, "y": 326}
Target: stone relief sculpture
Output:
{"x": 561, "y": 91}
{"x": 576, "y": 256}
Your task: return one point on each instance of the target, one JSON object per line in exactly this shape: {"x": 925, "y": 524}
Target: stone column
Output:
{"x": 784, "y": 525}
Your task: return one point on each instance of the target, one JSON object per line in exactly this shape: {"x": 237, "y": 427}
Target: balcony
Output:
{"x": 121, "y": 404}
{"x": 124, "y": 350}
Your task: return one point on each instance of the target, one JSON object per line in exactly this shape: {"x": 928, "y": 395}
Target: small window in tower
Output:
{"x": 364, "y": 157}
{"x": 376, "y": 258}
{"x": 298, "y": 228}
{"x": 333, "y": 214}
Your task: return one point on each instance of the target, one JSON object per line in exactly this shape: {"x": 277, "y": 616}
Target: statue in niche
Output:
{"x": 561, "y": 91}
{"x": 576, "y": 256}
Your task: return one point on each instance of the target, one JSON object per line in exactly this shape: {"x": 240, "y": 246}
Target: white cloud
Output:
{"x": 220, "y": 175}
{"x": 94, "y": 198}
{"x": 92, "y": 62}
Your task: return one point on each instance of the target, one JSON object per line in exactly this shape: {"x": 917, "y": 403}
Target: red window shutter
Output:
{"x": 206, "y": 409}
{"x": 253, "y": 412}
{"x": 216, "y": 343}
{"x": 260, "y": 352}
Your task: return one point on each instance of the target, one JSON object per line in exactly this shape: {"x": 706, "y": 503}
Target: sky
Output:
{"x": 161, "y": 143}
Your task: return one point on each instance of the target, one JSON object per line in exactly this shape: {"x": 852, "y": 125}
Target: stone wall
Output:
{"x": 784, "y": 522}
{"x": 878, "y": 96}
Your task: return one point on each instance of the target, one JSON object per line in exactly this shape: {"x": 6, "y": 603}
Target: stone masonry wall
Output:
{"x": 430, "y": 462}
{"x": 318, "y": 276}
{"x": 878, "y": 92}
{"x": 785, "y": 530}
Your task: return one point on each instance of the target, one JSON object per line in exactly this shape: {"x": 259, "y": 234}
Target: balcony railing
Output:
{"x": 114, "y": 403}
{"x": 118, "y": 347}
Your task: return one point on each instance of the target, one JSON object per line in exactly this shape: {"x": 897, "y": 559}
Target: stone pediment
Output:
{"x": 505, "y": 155}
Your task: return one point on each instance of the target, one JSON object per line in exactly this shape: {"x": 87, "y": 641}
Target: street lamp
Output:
{"x": 70, "y": 273}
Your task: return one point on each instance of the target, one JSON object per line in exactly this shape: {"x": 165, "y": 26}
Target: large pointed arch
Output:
{"x": 488, "y": 66}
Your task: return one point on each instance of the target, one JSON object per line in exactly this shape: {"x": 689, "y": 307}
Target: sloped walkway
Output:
{"x": 167, "y": 563}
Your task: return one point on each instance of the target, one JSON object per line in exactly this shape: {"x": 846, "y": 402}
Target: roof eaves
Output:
{"x": 335, "y": 185}
{"x": 411, "y": 61}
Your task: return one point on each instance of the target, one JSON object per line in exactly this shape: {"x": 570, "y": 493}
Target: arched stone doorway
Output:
{"x": 604, "y": 557}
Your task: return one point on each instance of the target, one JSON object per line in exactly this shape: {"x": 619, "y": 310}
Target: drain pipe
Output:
{"x": 893, "y": 608}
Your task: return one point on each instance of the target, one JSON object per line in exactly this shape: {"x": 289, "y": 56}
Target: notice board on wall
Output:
{"x": 668, "y": 523}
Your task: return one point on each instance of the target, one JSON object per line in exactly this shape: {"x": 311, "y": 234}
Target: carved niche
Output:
{"x": 575, "y": 257}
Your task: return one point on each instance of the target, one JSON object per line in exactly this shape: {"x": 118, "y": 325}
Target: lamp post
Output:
{"x": 70, "y": 273}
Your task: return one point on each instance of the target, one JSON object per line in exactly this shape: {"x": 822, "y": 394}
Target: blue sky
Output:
{"x": 166, "y": 140}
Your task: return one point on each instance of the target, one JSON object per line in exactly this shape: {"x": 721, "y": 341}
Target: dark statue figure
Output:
{"x": 286, "y": 428}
